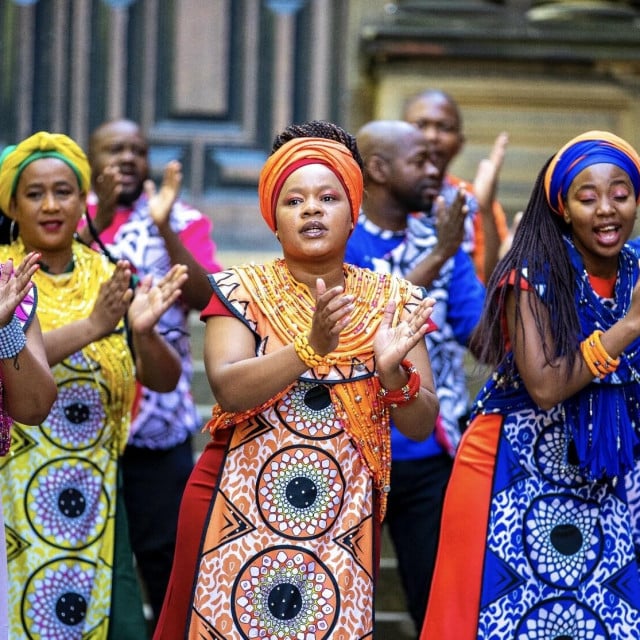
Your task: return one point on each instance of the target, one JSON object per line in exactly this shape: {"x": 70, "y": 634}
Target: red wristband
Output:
{"x": 405, "y": 394}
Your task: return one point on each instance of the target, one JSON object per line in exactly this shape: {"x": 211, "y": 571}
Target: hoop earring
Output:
{"x": 13, "y": 235}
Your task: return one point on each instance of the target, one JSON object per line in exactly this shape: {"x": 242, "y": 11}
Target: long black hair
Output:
{"x": 538, "y": 247}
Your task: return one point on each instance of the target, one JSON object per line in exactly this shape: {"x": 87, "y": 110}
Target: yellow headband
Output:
{"x": 43, "y": 144}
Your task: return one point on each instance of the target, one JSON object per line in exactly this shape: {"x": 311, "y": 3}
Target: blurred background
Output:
{"x": 212, "y": 81}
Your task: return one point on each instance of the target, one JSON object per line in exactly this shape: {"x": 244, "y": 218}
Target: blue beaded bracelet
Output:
{"x": 12, "y": 339}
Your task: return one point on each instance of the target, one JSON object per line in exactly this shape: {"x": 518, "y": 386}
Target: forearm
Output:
{"x": 427, "y": 270}
{"x": 196, "y": 290}
{"x": 417, "y": 418}
{"x": 28, "y": 385}
{"x": 492, "y": 242}
{"x": 248, "y": 383}
{"x": 62, "y": 342}
{"x": 158, "y": 365}
{"x": 556, "y": 382}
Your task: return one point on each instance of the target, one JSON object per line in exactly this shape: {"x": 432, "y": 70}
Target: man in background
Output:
{"x": 437, "y": 115}
{"x": 401, "y": 179}
{"x": 154, "y": 230}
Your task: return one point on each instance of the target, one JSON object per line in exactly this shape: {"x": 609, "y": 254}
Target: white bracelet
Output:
{"x": 12, "y": 339}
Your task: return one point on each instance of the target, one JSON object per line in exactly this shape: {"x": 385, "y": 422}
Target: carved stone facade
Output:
{"x": 543, "y": 71}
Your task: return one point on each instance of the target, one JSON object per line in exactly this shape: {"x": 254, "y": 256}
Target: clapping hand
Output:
{"x": 161, "y": 201}
{"x": 113, "y": 300}
{"x": 15, "y": 284}
{"x": 392, "y": 344}
{"x": 151, "y": 301}
{"x": 486, "y": 181}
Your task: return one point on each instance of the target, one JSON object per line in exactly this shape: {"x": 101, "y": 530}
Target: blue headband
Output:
{"x": 581, "y": 155}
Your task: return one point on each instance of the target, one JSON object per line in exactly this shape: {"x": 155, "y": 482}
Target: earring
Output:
{"x": 13, "y": 232}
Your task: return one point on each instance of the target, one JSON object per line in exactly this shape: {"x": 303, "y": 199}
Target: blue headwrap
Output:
{"x": 593, "y": 147}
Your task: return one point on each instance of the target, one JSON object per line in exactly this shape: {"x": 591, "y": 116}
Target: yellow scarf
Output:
{"x": 71, "y": 296}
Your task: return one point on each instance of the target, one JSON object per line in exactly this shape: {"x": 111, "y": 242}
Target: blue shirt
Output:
{"x": 372, "y": 247}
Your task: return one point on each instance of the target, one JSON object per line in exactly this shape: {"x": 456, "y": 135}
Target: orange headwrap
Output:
{"x": 300, "y": 152}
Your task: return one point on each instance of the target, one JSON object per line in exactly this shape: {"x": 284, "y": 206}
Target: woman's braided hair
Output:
{"x": 539, "y": 250}
{"x": 319, "y": 129}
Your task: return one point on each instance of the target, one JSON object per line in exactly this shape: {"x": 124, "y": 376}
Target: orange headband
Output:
{"x": 300, "y": 152}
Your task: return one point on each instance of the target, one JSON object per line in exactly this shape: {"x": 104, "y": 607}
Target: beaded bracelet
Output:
{"x": 405, "y": 394}
{"x": 306, "y": 352}
{"x": 12, "y": 339}
{"x": 600, "y": 363}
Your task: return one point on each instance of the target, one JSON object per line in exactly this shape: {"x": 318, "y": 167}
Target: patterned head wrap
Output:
{"x": 300, "y": 152}
{"x": 43, "y": 144}
{"x": 589, "y": 148}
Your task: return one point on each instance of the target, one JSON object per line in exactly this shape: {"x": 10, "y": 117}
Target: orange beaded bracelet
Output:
{"x": 405, "y": 394}
{"x": 600, "y": 363}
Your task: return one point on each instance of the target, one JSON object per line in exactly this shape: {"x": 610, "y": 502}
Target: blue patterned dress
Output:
{"x": 540, "y": 535}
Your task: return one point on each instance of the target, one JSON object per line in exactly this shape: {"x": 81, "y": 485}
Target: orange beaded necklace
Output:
{"x": 289, "y": 306}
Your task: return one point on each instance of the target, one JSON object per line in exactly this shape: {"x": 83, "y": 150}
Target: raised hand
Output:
{"x": 331, "y": 315}
{"x": 392, "y": 344}
{"x": 486, "y": 181}
{"x": 15, "y": 284}
{"x": 450, "y": 222}
{"x": 151, "y": 301}
{"x": 107, "y": 187}
{"x": 113, "y": 300}
{"x": 161, "y": 201}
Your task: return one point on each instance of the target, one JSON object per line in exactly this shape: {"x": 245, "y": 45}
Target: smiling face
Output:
{"x": 121, "y": 144}
{"x": 601, "y": 209}
{"x": 47, "y": 206}
{"x": 313, "y": 215}
{"x": 439, "y": 121}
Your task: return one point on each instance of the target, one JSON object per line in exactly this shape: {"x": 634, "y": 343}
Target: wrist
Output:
{"x": 397, "y": 396}
{"x": 441, "y": 254}
{"x": 12, "y": 339}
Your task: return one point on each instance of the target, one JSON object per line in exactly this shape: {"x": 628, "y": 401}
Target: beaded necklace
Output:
{"x": 289, "y": 306}
{"x": 71, "y": 296}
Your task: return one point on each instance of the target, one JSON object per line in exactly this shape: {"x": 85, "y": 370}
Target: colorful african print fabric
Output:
{"x": 162, "y": 420}
{"x": 59, "y": 481}
{"x": 288, "y": 550}
{"x": 25, "y": 314}
{"x": 533, "y": 545}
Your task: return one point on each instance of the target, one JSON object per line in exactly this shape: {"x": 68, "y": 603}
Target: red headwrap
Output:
{"x": 300, "y": 152}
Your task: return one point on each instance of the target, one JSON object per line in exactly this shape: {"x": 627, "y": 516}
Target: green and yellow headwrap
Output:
{"x": 43, "y": 144}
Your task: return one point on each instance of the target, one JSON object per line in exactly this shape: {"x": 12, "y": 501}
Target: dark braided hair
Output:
{"x": 319, "y": 129}
{"x": 537, "y": 246}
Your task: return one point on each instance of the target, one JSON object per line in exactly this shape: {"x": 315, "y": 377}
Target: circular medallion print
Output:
{"x": 285, "y": 593}
{"x": 77, "y": 418}
{"x": 561, "y": 619}
{"x": 55, "y": 601}
{"x": 556, "y": 458}
{"x": 307, "y": 411}
{"x": 300, "y": 492}
{"x": 66, "y": 504}
{"x": 563, "y": 539}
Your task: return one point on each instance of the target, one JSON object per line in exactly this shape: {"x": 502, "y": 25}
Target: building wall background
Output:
{"x": 212, "y": 81}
